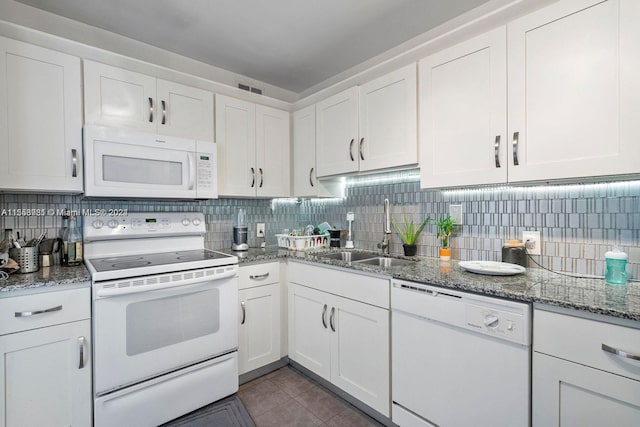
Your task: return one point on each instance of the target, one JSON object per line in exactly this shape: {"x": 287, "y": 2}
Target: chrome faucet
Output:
{"x": 386, "y": 228}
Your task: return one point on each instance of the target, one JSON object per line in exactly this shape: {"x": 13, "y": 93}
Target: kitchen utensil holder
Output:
{"x": 27, "y": 258}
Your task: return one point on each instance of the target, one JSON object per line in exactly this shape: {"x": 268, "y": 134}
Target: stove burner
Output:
{"x": 131, "y": 264}
{"x": 116, "y": 258}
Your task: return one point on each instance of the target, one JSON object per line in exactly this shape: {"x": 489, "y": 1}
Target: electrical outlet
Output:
{"x": 260, "y": 229}
{"x": 350, "y": 216}
{"x": 456, "y": 213}
{"x": 532, "y": 241}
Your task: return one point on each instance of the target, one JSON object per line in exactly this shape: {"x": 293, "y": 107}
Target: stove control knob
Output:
{"x": 196, "y": 221}
{"x": 97, "y": 224}
{"x": 113, "y": 223}
{"x": 186, "y": 222}
{"x": 491, "y": 320}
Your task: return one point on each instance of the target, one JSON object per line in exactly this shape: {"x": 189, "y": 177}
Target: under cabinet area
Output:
{"x": 370, "y": 127}
{"x": 585, "y": 372}
{"x": 124, "y": 98}
{"x": 40, "y": 119}
{"x": 339, "y": 329}
{"x": 253, "y": 149}
{"x": 260, "y": 322}
{"x": 45, "y": 344}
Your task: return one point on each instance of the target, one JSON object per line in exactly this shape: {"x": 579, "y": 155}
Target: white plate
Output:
{"x": 492, "y": 268}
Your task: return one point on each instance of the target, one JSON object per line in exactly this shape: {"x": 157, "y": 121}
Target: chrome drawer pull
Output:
{"x": 516, "y": 137}
{"x": 33, "y": 313}
{"x": 259, "y": 276}
{"x": 81, "y": 343}
{"x": 351, "y": 150}
{"x": 333, "y": 313}
{"x": 324, "y": 316}
{"x": 620, "y": 353}
{"x": 244, "y": 312}
{"x": 496, "y": 147}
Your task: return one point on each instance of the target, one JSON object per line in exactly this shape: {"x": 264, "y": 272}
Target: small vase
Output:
{"x": 445, "y": 254}
{"x": 410, "y": 250}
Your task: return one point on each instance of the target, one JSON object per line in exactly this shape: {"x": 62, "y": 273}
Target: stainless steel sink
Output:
{"x": 385, "y": 262}
{"x": 347, "y": 256}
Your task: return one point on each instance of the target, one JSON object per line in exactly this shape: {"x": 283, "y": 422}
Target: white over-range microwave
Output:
{"x": 125, "y": 163}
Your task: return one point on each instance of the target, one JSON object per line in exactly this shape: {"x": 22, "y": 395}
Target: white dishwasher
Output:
{"x": 459, "y": 359}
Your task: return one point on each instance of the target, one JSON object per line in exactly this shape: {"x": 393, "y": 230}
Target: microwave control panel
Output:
{"x": 207, "y": 184}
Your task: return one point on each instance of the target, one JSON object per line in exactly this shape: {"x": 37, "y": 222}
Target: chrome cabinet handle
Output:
{"x": 33, "y": 313}
{"x": 324, "y": 316}
{"x": 351, "y": 150}
{"x": 333, "y": 313}
{"x": 310, "y": 177}
{"x": 261, "y": 177}
{"x": 244, "y": 313}
{"x": 496, "y": 147}
{"x": 620, "y": 353}
{"x": 253, "y": 179}
{"x": 259, "y": 276}
{"x": 516, "y": 137}
{"x": 164, "y": 112}
{"x": 150, "y": 109}
{"x": 360, "y": 148}
{"x": 74, "y": 162}
{"x": 81, "y": 343}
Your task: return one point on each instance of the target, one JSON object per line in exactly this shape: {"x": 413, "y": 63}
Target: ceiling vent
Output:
{"x": 250, "y": 89}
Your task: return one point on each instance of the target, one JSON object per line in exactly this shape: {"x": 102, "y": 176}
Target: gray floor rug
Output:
{"x": 229, "y": 412}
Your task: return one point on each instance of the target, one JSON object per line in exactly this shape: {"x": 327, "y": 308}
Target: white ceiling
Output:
{"x": 292, "y": 44}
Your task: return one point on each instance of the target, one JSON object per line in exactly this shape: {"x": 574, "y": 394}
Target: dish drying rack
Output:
{"x": 303, "y": 243}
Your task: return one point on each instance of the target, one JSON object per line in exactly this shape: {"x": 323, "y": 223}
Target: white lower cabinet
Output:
{"x": 576, "y": 381}
{"x": 45, "y": 375}
{"x": 343, "y": 340}
{"x": 259, "y": 299}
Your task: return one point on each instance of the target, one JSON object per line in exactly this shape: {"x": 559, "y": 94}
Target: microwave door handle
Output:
{"x": 192, "y": 171}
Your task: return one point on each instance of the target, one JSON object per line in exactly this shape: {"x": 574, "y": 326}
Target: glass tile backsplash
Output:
{"x": 578, "y": 223}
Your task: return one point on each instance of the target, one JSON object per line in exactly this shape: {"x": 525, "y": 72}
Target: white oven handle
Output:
{"x": 135, "y": 285}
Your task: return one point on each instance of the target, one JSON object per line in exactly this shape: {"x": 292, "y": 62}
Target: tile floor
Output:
{"x": 286, "y": 397}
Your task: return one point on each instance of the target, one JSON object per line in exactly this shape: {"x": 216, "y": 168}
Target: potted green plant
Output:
{"x": 409, "y": 234}
{"x": 445, "y": 228}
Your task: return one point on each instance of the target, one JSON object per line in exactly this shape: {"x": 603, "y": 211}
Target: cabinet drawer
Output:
{"x": 33, "y": 311}
{"x": 581, "y": 340}
{"x": 359, "y": 287}
{"x": 259, "y": 275}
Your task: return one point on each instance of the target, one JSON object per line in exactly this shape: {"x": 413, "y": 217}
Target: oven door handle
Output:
{"x": 185, "y": 284}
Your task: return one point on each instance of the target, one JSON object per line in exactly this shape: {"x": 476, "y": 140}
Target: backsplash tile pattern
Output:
{"x": 578, "y": 223}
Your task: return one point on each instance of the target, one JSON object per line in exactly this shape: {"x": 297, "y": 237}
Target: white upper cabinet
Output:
{"x": 253, "y": 149}
{"x": 40, "y": 119}
{"x": 463, "y": 113}
{"x": 573, "y": 91}
{"x": 388, "y": 121}
{"x": 305, "y": 173}
{"x": 123, "y": 98}
{"x": 368, "y": 128}
{"x": 337, "y": 133}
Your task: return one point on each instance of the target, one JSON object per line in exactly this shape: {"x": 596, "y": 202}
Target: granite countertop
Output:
{"x": 55, "y": 277}
{"x": 535, "y": 285}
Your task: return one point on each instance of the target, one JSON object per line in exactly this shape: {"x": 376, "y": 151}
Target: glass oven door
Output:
{"x": 142, "y": 335}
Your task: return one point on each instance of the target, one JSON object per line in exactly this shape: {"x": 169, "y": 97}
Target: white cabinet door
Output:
{"x": 40, "y": 119}
{"x": 388, "y": 121}
{"x": 305, "y": 181}
{"x": 273, "y": 146}
{"x": 360, "y": 352}
{"x": 309, "y": 339}
{"x": 337, "y": 133}
{"x": 565, "y": 90}
{"x": 185, "y": 111}
{"x": 463, "y": 113}
{"x": 573, "y": 395}
{"x": 259, "y": 341}
{"x": 117, "y": 97}
{"x": 45, "y": 376}
{"x": 236, "y": 139}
